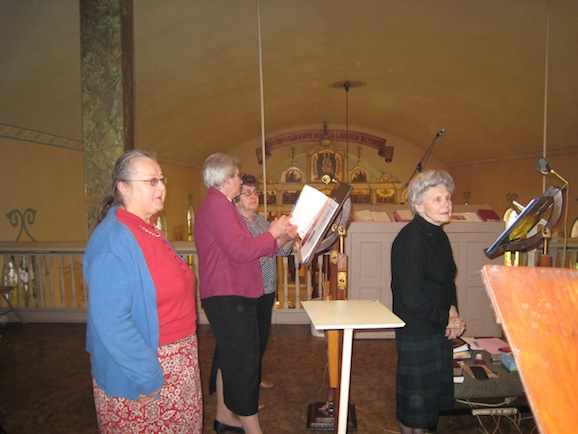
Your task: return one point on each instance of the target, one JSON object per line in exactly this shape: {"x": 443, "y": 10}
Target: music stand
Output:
{"x": 512, "y": 239}
{"x": 341, "y": 194}
{"x": 322, "y": 416}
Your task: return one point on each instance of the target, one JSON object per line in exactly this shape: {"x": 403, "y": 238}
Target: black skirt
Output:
{"x": 424, "y": 381}
{"x": 237, "y": 352}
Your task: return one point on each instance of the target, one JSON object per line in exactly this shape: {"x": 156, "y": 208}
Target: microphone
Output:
{"x": 441, "y": 132}
{"x": 543, "y": 166}
{"x": 545, "y": 169}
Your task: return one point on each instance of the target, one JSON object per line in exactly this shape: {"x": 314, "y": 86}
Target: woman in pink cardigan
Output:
{"x": 228, "y": 267}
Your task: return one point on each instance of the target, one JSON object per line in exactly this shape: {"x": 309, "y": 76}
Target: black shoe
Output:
{"x": 221, "y": 427}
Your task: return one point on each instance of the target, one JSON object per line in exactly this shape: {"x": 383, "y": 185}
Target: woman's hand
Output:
{"x": 456, "y": 326}
{"x": 147, "y": 399}
{"x": 282, "y": 228}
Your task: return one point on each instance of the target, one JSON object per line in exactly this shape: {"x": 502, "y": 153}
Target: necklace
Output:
{"x": 154, "y": 234}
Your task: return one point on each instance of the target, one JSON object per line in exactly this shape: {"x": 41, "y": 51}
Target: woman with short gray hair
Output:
{"x": 424, "y": 297}
{"x": 230, "y": 286}
{"x": 217, "y": 168}
{"x": 424, "y": 182}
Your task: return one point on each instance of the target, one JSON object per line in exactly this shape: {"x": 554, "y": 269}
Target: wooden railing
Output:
{"x": 50, "y": 286}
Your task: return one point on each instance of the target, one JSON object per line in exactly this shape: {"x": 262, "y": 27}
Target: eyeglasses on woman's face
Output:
{"x": 249, "y": 193}
{"x": 153, "y": 181}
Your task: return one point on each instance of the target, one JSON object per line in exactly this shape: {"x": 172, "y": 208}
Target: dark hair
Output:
{"x": 123, "y": 169}
{"x": 249, "y": 180}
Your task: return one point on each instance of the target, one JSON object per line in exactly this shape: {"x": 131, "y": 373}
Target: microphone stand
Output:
{"x": 545, "y": 169}
{"x": 424, "y": 159}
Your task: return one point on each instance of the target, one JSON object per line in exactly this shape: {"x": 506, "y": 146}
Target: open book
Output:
{"x": 403, "y": 215}
{"x": 365, "y": 215}
{"x": 313, "y": 213}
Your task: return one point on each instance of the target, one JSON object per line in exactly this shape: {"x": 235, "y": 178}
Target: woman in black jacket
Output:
{"x": 424, "y": 296}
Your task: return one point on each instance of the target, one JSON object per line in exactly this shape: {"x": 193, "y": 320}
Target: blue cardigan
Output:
{"x": 122, "y": 333}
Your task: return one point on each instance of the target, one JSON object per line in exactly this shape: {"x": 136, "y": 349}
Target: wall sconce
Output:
{"x": 260, "y": 154}
{"x": 387, "y": 153}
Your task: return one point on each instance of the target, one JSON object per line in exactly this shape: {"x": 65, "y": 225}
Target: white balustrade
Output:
{"x": 50, "y": 286}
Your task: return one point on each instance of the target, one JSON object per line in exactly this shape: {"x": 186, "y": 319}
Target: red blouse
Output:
{"x": 173, "y": 279}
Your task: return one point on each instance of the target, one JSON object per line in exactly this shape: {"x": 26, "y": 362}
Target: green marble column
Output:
{"x": 106, "y": 41}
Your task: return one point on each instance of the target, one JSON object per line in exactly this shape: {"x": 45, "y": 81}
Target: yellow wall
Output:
{"x": 46, "y": 179}
{"x": 50, "y": 180}
{"x": 489, "y": 183}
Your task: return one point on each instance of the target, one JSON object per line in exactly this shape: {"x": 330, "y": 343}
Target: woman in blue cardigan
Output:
{"x": 141, "y": 326}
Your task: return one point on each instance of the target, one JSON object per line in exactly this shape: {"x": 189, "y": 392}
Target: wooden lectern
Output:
{"x": 537, "y": 308}
{"x": 339, "y": 317}
{"x": 323, "y": 416}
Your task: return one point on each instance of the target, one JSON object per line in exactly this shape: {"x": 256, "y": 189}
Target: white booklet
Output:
{"x": 312, "y": 214}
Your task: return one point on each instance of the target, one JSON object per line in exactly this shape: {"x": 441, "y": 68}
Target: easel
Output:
{"x": 322, "y": 416}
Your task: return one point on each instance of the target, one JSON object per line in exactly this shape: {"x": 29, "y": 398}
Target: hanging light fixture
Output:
{"x": 346, "y": 85}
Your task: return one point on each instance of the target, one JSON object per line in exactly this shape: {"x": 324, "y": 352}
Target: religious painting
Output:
{"x": 358, "y": 174}
{"x": 271, "y": 197}
{"x": 290, "y": 197}
{"x": 361, "y": 196}
{"x": 386, "y": 195}
{"x": 326, "y": 162}
{"x": 292, "y": 175}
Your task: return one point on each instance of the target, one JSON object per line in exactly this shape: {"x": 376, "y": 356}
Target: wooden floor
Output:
{"x": 45, "y": 384}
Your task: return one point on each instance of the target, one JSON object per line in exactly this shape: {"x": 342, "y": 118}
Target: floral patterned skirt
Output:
{"x": 179, "y": 408}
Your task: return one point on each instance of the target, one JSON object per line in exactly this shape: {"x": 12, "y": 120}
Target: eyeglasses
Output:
{"x": 153, "y": 181}
{"x": 249, "y": 193}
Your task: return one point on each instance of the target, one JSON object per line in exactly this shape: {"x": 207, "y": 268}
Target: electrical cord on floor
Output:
{"x": 515, "y": 419}
{"x": 322, "y": 388}
{"x": 515, "y": 426}
{"x": 323, "y": 379}
{"x": 473, "y": 404}
{"x": 377, "y": 426}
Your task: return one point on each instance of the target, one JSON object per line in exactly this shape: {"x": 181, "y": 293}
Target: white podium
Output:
{"x": 348, "y": 315}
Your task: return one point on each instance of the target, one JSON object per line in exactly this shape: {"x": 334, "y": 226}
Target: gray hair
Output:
{"x": 123, "y": 170}
{"x": 424, "y": 181}
{"x": 217, "y": 168}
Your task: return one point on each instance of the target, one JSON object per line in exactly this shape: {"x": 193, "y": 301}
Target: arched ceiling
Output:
{"x": 474, "y": 68}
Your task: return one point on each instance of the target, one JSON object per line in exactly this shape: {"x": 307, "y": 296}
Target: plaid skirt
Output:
{"x": 179, "y": 409}
{"x": 424, "y": 382}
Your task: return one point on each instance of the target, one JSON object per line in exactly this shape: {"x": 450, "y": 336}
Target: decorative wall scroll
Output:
{"x": 309, "y": 136}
